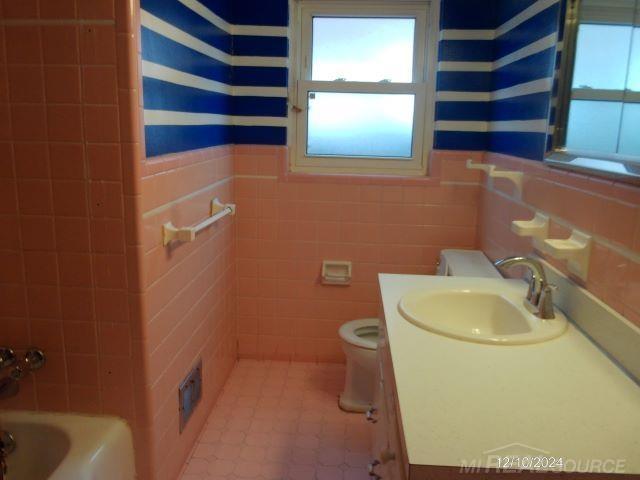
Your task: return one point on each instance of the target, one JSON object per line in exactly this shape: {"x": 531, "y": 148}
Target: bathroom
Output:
{"x": 256, "y": 239}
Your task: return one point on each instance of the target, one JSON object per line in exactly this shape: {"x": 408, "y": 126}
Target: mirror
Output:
{"x": 597, "y": 114}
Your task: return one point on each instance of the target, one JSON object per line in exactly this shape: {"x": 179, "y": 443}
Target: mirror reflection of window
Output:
{"x": 604, "y": 112}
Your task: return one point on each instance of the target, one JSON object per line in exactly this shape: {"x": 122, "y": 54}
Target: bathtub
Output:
{"x": 60, "y": 446}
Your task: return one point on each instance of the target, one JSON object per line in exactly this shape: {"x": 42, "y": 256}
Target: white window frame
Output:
{"x": 623, "y": 96}
{"x": 426, "y": 15}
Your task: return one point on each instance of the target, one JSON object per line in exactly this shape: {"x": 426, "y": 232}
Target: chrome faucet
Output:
{"x": 34, "y": 359}
{"x": 7, "y": 357}
{"x": 7, "y": 445}
{"x": 540, "y": 294}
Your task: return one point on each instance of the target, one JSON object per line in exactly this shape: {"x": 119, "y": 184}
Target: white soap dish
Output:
{"x": 538, "y": 228}
{"x": 514, "y": 177}
{"x": 485, "y": 167}
{"x": 492, "y": 171}
{"x": 576, "y": 250}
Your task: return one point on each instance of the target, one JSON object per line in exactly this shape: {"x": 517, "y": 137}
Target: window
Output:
{"x": 363, "y": 87}
{"x": 604, "y": 106}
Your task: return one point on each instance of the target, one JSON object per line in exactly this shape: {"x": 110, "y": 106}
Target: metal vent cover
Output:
{"x": 189, "y": 394}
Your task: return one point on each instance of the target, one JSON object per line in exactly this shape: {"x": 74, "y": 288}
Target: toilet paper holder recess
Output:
{"x": 336, "y": 272}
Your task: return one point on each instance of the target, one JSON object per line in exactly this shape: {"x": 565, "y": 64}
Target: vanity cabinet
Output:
{"x": 388, "y": 459}
{"x": 440, "y": 402}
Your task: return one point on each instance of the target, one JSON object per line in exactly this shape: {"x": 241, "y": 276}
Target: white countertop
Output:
{"x": 459, "y": 400}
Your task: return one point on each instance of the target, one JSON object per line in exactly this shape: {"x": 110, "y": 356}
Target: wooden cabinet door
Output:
{"x": 378, "y": 415}
{"x": 391, "y": 456}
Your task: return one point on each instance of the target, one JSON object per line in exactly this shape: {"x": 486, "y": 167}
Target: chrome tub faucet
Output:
{"x": 34, "y": 359}
{"x": 7, "y": 445}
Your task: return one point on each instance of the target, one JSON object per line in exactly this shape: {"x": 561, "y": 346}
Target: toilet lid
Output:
{"x": 362, "y": 333}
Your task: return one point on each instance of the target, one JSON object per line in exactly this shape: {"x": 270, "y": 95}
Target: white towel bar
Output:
{"x": 188, "y": 234}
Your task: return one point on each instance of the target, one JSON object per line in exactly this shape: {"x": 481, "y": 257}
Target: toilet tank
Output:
{"x": 466, "y": 263}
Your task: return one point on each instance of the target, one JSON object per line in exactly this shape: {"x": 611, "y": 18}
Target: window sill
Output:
{"x": 612, "y": 169}
{"x": 432, "y": 178}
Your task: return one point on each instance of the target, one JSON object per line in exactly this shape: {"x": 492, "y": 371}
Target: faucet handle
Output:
{"x": 7, "y": 443}
{"x": 545, "y": 306}
{"x": 7, "y": 357}
{"x": 34, "y": 359}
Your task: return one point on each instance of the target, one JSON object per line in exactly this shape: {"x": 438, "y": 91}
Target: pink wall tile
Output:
{"x": 67, "y": 161}
{"x": 96, "y": 9}
{"x": 60, "y": 44}
{"x": 125, "y": 318}
{"x": 26, "y": 83}
{"x": 62, "y": 83}
{"x": 64, "y": 235}
{"x": 286, "y": 226}
{"x": 23, "y": 45}
{"x": 64, "y": 123}
{"x": 605, "y": 209}
{"x": 61, "y": 9}
{"x": 189, "y": 298}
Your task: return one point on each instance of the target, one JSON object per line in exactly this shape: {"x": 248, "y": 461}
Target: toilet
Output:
{"x": 359, "y": 343}
{"x": 359, "y": 337}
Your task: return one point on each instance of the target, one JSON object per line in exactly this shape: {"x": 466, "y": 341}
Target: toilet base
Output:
{"x": 348, "y": 405}
{"x": 359, "y": 379}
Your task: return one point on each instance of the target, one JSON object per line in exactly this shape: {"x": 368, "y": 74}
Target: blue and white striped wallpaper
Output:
{"x": 495, "y": 75}
{"x": 215, "y": 72}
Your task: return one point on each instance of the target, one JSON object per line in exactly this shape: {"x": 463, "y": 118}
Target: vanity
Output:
{"x": 447, "y": 407}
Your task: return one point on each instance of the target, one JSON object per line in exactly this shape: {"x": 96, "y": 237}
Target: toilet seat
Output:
{"x": 359, "y": 333}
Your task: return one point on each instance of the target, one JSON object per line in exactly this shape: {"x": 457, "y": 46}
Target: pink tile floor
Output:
{"x": 281, "y": 421}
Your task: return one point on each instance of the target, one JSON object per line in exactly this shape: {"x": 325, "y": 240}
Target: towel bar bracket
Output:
{"x": 188, "y": 234}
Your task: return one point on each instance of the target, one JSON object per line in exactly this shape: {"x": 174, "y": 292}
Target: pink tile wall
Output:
{"x": 287, "y": 224}
{"x": 189, "y": 295}
{"x": 121, "y": 318}
{"x": 606, "y": 209}
{"x": 68, "y": 190}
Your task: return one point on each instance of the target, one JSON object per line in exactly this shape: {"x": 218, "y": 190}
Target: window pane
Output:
{"x": 602, "y": 56}
{"x": 594, "y": 126}
{"x": 360, "y": 124}
{"x": 630, "y": 132}
{"x": 634, "y": 67}
{"x": 363, "y": 49}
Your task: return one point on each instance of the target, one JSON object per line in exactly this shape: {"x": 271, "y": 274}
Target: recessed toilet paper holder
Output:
{"x": 336, "y": 272}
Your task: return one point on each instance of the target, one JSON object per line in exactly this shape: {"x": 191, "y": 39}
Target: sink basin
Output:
{"x": 53, "y": 446}
{"x": 479, "y": 315}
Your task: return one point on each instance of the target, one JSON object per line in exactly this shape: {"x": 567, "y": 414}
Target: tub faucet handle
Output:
{"x": 7, "y": 357}
{"x": 7, "y": 443}
{"x": 34, "y": 359}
